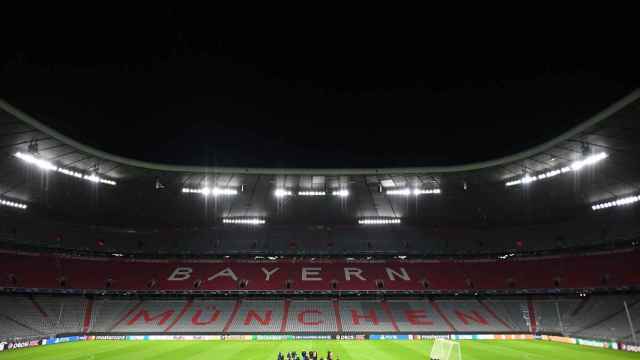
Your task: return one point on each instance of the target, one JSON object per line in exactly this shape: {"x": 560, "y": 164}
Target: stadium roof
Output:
{"x": 474, "y": 192}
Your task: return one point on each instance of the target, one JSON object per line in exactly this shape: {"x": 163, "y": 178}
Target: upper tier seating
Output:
{"x": 592, "y": 229}
{"x": 607, "y": 270}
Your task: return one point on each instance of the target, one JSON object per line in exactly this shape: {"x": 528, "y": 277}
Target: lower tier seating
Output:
{"x": 597, "y": 316}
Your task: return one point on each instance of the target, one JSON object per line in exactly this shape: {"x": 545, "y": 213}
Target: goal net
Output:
{"x": 445, "y": 349}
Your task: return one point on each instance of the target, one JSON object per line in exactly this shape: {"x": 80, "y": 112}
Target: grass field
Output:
{"x": 344, "y": 350}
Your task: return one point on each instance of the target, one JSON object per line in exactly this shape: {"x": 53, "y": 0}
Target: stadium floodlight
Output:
{"x": 415, "y": 191}
{"x": 49, "y": 166}
{"x": 97, "y": 179}
{"x": 379, "y": 221}
{"x": 311, "y": 193}
{"x": 341, "y": 193}
{"x": 426, "y": 191}
{"x": 13, "y": 204}
{"x": 574, "y": 166}
{"x": 589, "y": 160}
{"x": 388, "y": 183}
{"x": 40, "y": 163}
{"x": 445, "y": 350}
{"x": 214, "y": 191}
{"x": 618, "y": 202}
{"x": 282, "y": 192}
{"x": 244, "y": 221}
{"x": 403, "y": 191}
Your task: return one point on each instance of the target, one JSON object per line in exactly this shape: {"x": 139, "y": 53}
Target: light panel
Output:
{"x": 387, "y": 183}
{"x": 13, "y": 204}
{"x": 426, "y": 191}
{"x": 282, "y": 193}
{"x": 403, "y": 191}
{"x": 379, "y": 221}
{"x": 341, "y": 193}
{"x": 618, "y": 202}
{"x": 415, "y": 191}
{"x": 244, "y": 221}
{"x": 574, "y": 166}
{"x": 40, "y": 163}
{"x": 49, "y": 166}
{"x": 311, "y": 193}
{"x": 214, "y": 191}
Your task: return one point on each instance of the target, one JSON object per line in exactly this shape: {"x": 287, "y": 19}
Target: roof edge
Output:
{"x": 593, "y": 120}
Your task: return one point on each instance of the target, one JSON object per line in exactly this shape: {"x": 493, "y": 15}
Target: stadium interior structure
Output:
{"x": 540, "y": 242}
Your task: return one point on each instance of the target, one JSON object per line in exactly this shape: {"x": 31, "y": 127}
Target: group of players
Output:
{"x": 311, "y": 355}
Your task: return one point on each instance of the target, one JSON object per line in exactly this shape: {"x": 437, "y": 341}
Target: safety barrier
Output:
{"x": 22, "y": 344}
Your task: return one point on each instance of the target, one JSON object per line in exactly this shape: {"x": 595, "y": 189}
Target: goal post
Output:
{"x": 445, "y": 350}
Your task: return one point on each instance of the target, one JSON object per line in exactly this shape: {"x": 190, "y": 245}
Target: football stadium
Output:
{"x": 104, "y": 256}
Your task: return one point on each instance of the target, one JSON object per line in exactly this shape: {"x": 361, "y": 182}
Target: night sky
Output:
{"x": 176, "y": 89}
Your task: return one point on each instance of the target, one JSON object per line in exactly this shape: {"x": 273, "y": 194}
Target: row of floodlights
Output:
{"x": 618, "y": 202}
{"x": 214, "y": 191}
{"x": 221, "y": 191}
{"x": 379, "y": 221}
{"x": 261, "y": 221}
{"x": 13, "y": 204}
{"x": 281, "y": 192}
{"x": 415, "y": 191}
{"x": 244, "y": 221}
{"x": 574, "y": 166}
{"x": 49, "y": 166}
{"x": 345, "y": 193}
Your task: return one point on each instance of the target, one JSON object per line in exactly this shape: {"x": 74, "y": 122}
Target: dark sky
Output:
{"x": 172, "y": 87}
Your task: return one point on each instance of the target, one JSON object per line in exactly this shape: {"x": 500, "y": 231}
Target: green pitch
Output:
{"x": 344, "y": 350}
